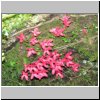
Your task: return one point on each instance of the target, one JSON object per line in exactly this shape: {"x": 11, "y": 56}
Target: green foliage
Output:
{"x": 51, "y": 36}
{"x": 39, "y": 53}
{"x": 25, "y": 60}
{"x": 66, "y": 40}
{"x": 12, "y": 63}
{"x": 74, "y": 35}
{"x": 15, "y": 23}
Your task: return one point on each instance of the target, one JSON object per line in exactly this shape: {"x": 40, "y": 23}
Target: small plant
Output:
{"x": 50, "y": 60}
{"x": 66, "y": 39}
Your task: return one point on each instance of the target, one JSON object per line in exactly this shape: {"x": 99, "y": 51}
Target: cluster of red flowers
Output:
{"x": 50, "y": 60}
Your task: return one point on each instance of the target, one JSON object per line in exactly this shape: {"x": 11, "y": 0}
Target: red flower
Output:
{"x": 66, "y": 21}
{"x": 57, "y": 31}
{"x": 31, "y": 51}
{"x": 33, "y": 41}
{"x": 36, "y": 32}
{"x": 21, "y": 37}
{"x": 24, "y": 75}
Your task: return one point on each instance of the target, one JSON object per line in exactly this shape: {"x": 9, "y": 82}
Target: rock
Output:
{"x": 84, "y": 61}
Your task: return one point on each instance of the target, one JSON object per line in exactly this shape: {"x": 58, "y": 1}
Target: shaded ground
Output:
{"x": 86, "y": 53}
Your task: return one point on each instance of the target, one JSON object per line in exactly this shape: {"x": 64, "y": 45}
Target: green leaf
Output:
{"x": 37, "y": 48}
{"x": 51, "y": 36}
{"x": 66, "y": 40}
{"x": 74, "y": 34}
{"x": 39, "y": 53}
{"x": 25, "y": 60}
{"x": 12, "y": 63}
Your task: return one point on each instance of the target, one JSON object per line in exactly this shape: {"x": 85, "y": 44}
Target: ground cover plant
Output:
{"x": 55, "y": 53}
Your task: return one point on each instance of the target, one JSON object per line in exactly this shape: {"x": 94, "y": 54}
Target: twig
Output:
{"x": 29, "y": 28}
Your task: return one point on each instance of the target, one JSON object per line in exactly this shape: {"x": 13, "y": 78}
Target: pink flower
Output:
{"x": 56, "y": 68}
{"x": 36, "y": 32}
{"x": 57, "y": 31}
{"x": 84, "y": 31}
{"x": 39, "y": 74}
{"x": 26, "y": 67}
{"x": 44, "y": 62}
{"x": 68, "y": 55}
{"x": 39, "y": 65}
{"x": 59, "y": 74}
{"x": 43, "y": 73}
{"x": 69, "y": 63}
{"x": 46, "y": 52}
{"x": 46, "y": 46}
{"x": 34, "y": 74}
{"x": 46, "y": 43}
{"x": 24, "y": 75}
{"x": 65, "y": 18}
{"x": 30, "y": 68}
{"x": 66, "y": 21}
{"x": 31, "y": 51}
{"x": 21, "y": 37}
{"x": 75, "y": 67}
{"x": 55, "y": 55}
{"x": 49, "y": 59}
{"x": 33, "y": 41}
{"x": 60, "y": 62}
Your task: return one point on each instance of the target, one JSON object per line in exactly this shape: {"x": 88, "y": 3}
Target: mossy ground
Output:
{"x": 86, "y": 50}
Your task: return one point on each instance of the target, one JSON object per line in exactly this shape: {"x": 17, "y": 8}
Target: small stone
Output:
{"x": 84, "y": 61}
